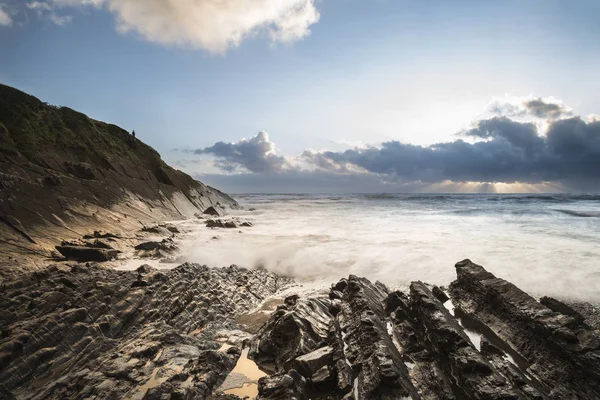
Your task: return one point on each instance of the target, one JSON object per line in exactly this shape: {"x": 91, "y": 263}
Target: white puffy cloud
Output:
{"x": 257, "y": 154}
{"x": 5, "y": 19}
{"x": 212, "y": 25}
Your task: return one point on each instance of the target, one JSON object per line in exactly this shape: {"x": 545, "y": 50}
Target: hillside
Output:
{"x": 63, "y": 174}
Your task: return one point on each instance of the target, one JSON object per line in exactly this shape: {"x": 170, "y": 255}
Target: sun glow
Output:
{"x": 495, "y": 187}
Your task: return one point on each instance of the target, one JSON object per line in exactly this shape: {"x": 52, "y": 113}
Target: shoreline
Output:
{"x": 231, "y": 319}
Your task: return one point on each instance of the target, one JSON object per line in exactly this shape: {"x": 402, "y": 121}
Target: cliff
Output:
{"x": 63, "y": 175}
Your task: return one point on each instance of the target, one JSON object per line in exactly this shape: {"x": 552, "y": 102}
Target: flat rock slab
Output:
{"x": 81, "y": 253}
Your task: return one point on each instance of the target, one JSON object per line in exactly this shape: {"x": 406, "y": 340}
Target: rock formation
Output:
{"x": 63, "y": 174}
{"x": 85, "y": 331}
{"x": 489, "y": 341}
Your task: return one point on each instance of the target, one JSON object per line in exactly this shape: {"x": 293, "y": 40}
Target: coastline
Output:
{"x": 185, "y": 329}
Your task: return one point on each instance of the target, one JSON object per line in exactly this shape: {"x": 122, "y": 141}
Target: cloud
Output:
{"x": 257, "y": 154}
{"x": 547, "y": 108}
{"x": 512, "y": 152}
{"x": 212, "y": 25}
{"x": 5, "y": 19}
{"x": 505, "y": 152}
{"x": 544, "y": 109}
{"x": 47, "y": 11}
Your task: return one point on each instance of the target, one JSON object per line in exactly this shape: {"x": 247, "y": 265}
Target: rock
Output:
{"x": 81, "y": 170}
{"x": 51, "y": 181}
{"x": 363, "y": 341}
{"x": 212, "y": 211}
{"x": 101, "y": 235}
{"x": 160, "y": 229}
{"x": 560, "y": 307}
{"x": 308, "y": 364}
{"x": 173, "y": 229}
{"x": 390, "y": 345}
{"x": 290, "y": 333}
{"x": 67, "y": 173}
{"x": 560, "y": 353}
{"x": 290, "y": 386}
{"x": 230, "y": 224}
{"x": 440, "y": 294}
{"x": 156, "y": 249}
{"x": 81, "y": 253}
{"x": 55, "y": 255}
{"x": 290, "y": 301}
{"x": 166, "y": 244}
{"x": 86, "y": 330}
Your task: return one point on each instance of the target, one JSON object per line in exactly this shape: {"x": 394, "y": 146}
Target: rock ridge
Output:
{"x": 63, "y": 174}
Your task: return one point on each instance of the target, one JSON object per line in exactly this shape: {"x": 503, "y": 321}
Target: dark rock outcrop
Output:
{"x": 490, "y": 341}
{"x": 554, "y": 346}
{"x": 85, "y": 331}
{"x": 153, "y": 249}
{"x": 211, "y": 211}
{"x": 85, "y": 253}
{"x": 230, "y": 223}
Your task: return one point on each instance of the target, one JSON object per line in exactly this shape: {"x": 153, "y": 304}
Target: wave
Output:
{"x": 469, "y": 211}
{"x": 405, "y": 197}
{"x": 583, "y": 214}
{"x": 533, "y": 198}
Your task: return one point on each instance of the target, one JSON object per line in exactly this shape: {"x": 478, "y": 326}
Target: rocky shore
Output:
{"x": 80, "y": 197}
{"x": 83, "y": 330}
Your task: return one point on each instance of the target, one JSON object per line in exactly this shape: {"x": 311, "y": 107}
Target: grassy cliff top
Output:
{"x": 38, "y": 131}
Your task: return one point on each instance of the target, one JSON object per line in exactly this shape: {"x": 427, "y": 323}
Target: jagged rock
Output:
{"x": 390, "y": 345}
{"x": 230, "y": 224}
{"x": 290, "y": 386}
{"x": 160, "y": 229}
{"x": 156, "y": 249}
{"x": 82, "y": 253}
{"x": 291, "y": 332}
{"x": 560, "y": 307}
{"x": 440, "y": 294}
{"x": 308, "y": 364}
{"x": 173, "y": 229}
{"x": 165, "y": 244}
{"x": 101, "y": 235}
{"x": 364, "y": 342}
{"x": 83, "y": 331}
{"x": 96, "y": 244}
{"x": 560, "y": 354}
{"x": 219, "y": 223}
{"x": 212, "y": 211}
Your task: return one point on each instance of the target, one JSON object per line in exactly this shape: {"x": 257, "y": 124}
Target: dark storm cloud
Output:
{"x": 548, "y": 109}
{"x": 255, "y": 155}
{"x": 511, "y": 152}
{"x": 543, "y": 109}
{"x": 504, "y": 151}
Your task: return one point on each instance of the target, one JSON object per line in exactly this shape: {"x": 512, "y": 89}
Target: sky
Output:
{"x": 329, "y": 95}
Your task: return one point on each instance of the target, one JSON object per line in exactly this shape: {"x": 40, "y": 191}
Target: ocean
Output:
{"x": 545, "y": 244}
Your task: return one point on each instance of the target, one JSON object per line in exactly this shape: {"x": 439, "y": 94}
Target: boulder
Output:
{"x": 290, "y": 386}
{"x": 308, "y": 364}
{"x": 212, "y": 211}
{"x": 81, "y": 253}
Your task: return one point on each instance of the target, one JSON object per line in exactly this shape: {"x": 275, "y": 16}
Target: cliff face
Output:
{"x": 63, "y": 175}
